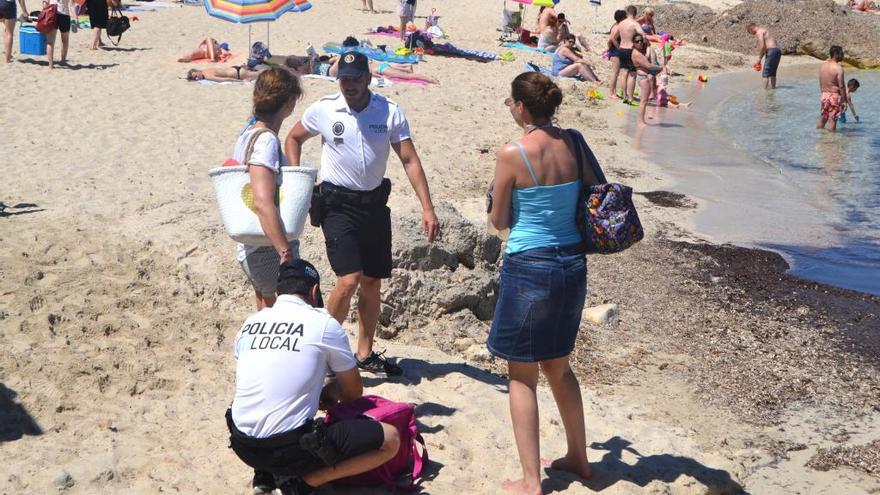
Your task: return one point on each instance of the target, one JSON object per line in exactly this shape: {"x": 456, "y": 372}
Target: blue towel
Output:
{"x": 373, "y": 53}
{"x": 516, "y": 45}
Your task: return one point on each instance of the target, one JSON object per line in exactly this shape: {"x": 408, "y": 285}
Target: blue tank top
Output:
{"x": 559, "y": 63}
{"x": 543, "y": 216}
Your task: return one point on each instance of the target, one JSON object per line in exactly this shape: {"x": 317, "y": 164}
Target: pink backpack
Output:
{"x": 407, "y": 461}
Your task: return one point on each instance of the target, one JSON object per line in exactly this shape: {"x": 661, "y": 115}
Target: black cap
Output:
{"x": 353, "y": 65}
{"x": 303, "y": 270}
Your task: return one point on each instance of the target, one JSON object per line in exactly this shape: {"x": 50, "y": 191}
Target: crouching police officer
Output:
{"x": 283, "y": 354}
{"x": 358, "y": 129}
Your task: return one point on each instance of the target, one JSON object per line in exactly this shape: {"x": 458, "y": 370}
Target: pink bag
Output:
{"x": 407, "y": 461}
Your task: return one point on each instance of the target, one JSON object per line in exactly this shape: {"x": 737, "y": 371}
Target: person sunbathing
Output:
{"x": 863, "y": 6}
{"x": 224, "y": 74}
{"x": 208, "y": 49}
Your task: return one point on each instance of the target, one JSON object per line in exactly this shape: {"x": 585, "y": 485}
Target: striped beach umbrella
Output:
{"x": 247, "y": 11}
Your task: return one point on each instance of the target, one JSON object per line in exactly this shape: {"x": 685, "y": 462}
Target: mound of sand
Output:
{"x": 806, "y": 27}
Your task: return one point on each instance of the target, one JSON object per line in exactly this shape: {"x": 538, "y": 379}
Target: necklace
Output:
{"x": 531, "y": 127}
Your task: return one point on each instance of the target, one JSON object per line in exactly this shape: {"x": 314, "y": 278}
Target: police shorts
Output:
{"x": 282, "y": 455}
{"x": 358, "y": 239}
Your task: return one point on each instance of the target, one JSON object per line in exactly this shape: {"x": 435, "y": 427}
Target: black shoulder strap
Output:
{"x": 584, "y": 148}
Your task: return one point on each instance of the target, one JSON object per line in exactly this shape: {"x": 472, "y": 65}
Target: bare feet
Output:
{"x": 578, "y": 467}
{"x": 520, "y": 486}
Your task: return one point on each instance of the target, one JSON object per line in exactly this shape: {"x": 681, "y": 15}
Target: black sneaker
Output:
{"x": 264, "y": 483}
{"x": 378, "y": 363}
{"x": 296, "y": 486}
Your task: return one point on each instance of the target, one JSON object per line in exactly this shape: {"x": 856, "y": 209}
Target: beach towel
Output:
{"x": 372, "y": 53}
{"x": 394, "y": 32}
{"x": 205, "y": 82}
{"x": 518, "y": 45}
{"x": 449, "y": 50}
{"x": 532, "y": 67}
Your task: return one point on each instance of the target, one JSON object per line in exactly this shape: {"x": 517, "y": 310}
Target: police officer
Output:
{"x": 283, "y": 354}
{"x": 358, "y": 129}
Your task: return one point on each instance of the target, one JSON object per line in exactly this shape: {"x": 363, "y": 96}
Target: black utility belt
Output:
{"x": 327, "y": 195}
{"x": 338, "y": 195}
{"x": 284, "y": 439}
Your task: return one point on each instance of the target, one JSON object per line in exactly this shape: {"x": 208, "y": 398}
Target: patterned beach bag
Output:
{"x": 407, "y": 463}
{"x": 606, "y": 214}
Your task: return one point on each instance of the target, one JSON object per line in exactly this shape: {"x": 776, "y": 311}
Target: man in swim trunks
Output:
{"x": 831, "y": 82}
{"x": 628, "y": 29}
{"x": 768, "y": 51}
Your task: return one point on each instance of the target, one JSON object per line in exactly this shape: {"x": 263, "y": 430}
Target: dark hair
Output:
{"x": 351, "y": 41}
{"x": 295, "y": 285}
{"x": 619, "y": 15}
{"x": 853, "y": 83}
{"x": 836, "y": 52}
{"x": 191, "y": 74}
{"x": 561, "y": 17}
{"x": 540, "y": 95}
{"x": 274, "y": 87}
{"x": 631, "y": 10}
{"x": 569, "y": 37}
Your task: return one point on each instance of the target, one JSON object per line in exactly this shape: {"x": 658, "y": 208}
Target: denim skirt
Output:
{"x": 539, "y": 304}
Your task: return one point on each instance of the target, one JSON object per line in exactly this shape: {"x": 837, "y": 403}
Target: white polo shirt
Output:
{"x": 283, "y": 354}
{"x": 355, "y": 145}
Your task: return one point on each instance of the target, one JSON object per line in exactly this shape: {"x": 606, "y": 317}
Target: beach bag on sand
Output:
{"x": 606, "y": 214}
{"x": 407, "y": 463}
{"x": 235, "y": 198}
{"x": 48, "y": 19}
{"x": 116, "y": 25}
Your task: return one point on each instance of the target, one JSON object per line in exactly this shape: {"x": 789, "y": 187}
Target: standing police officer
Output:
{"x": 358, "y": 129}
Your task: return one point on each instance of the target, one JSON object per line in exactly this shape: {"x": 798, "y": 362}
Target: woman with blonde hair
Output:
{"x": 275, "y": 95}
{"x": 544, "y": 274}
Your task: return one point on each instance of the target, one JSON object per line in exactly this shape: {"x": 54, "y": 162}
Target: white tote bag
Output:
{"x": 235, "y": 200}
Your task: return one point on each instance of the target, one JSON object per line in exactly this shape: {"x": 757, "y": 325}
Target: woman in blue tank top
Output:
{"x": 567, "y": 63}
{"x": 544, "y": 275}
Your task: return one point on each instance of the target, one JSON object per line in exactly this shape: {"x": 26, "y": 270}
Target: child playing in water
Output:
{"x": 664, "y": 99}
{"x": 851, "y": 86}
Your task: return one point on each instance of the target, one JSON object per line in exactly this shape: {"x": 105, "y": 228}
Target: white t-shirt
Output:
{"x": 266, "y": 153}
{"x": 63, "y": 6}
{"x": 283, "y": 354}
{"x": 355, "y": 145}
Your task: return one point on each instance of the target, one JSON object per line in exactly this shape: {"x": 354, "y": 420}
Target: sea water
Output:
{"x": 770, "y": 179}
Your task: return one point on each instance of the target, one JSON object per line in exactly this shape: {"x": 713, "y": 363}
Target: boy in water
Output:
{"x": 851, "y": 86}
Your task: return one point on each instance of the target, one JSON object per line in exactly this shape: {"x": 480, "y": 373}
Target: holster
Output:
{"x": 318, "y": 209}
{"x": 320, "y": 445}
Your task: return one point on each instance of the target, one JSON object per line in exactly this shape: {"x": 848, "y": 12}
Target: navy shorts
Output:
{"x": 771, "y": 62}
{"x": 358, "y": 239}
{"x": 7, "y": 10}
{"x": 539, "y": 304}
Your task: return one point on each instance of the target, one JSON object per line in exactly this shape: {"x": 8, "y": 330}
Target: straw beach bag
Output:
{"x": 235, "y": 199}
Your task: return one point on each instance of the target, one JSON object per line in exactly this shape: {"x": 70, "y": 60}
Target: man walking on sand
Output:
{"x": 831, "y": 82}
{"x": 628, "y": 29}
{"x": 358, "y": 129}
{"x": 768, "y": 51}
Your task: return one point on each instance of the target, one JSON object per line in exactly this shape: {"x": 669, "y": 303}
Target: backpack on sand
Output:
{"x": 407, "y": 461}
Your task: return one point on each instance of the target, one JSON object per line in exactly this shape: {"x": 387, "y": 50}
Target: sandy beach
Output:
{"x": 120, "y": 294}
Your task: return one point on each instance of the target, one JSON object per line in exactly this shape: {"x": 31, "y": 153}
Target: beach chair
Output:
{"x": 511, "y": 23}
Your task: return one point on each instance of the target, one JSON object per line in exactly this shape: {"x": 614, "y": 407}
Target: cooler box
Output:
{"x": 31, "y": 41}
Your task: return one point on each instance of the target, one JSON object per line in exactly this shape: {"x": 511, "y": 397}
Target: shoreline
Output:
{"x": 725, "y": 203}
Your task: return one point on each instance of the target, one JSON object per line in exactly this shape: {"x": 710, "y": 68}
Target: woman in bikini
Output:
{"x": 208, "y": 49}
{"x": 645, "y": 73}
{"x": 223, "y": 74}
